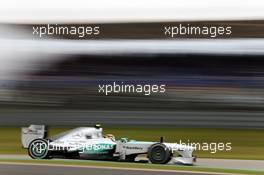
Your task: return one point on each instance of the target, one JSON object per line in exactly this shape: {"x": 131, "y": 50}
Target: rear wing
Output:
{"x": 28, "y": 134}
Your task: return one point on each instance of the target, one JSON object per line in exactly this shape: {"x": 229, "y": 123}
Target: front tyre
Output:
{"x": 38, "y": 149}
{"x": 159, "y": 154}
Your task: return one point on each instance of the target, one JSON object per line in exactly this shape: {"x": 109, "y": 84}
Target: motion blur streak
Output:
{"x": 13, "y": 11}
{"x": 209, "y": 83}
{"x": 201, "y": 88}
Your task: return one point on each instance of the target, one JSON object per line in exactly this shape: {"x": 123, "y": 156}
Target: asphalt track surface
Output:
{"x": 16, "y": 169}
{"x": 255, "y": 165}
{"x": 151, "y": 118}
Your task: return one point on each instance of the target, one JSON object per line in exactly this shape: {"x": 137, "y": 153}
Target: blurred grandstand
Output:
{"x": 194, "y": 82}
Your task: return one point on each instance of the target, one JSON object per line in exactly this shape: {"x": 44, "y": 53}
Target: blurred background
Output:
{"x": 209, "y": 83}
{"x": 214, "y": 87}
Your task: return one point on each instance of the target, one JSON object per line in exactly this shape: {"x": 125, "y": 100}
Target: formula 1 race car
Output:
{"x": 90, "y": 143}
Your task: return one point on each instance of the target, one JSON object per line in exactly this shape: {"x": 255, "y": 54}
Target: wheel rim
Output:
{"x": 39, "y": 149}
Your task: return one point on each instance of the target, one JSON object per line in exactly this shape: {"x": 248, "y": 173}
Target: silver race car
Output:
{"x": 90, "y": 143}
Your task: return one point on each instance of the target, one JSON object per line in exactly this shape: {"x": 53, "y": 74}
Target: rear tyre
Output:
{"x": 159, "y": 154}
{"x": 39, "y": 149}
